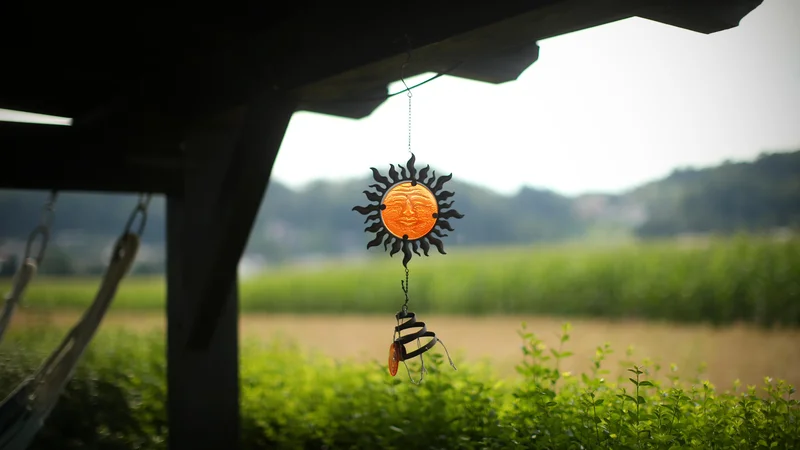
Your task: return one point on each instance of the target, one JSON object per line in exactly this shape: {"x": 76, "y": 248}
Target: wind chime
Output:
{"x": 409, "y": 210}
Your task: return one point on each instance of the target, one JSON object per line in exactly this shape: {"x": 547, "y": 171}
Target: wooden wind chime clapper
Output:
{"x": 409, "y": 210}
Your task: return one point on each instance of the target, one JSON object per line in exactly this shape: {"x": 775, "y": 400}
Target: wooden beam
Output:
{"x": 133, "y": 159}
{"x": 702, "y": 16}
{"x": 228, "y": 163}
{"x": 92, "y": 174}
{"x": 202, "y": 385}
{"x": 237, "y": 203}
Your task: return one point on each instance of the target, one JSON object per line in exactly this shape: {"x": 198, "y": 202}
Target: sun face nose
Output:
{"x": 408, "y": 209}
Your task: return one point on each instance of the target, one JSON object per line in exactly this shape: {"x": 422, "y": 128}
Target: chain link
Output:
{"x": 43, "y": 229}
{"x": 409, "y": 119}
{"x": 139, "y": 210}
{"x": 408, "y": 89}
{"x": 404, "y": 286}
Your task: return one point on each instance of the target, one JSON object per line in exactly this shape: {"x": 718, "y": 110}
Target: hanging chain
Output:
{"x": 408, "y": 89}
{"x": 404, "y": 286}
{"x": 43, "y": 229}
{"x": 409, "y": 118}
{"x": 139, "y": 210}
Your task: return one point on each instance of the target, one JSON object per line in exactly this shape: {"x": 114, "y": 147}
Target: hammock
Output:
{"x": 24, "y": 411}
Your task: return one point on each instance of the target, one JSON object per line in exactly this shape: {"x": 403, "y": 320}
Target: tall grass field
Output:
{"x": 720, "y": 281}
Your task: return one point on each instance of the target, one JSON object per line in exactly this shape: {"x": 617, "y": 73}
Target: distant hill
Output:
{"x": 743, "y": 196}
{"x": 317, "y": 220}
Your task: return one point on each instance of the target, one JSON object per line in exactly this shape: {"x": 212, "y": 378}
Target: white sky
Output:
{"x": 603, "y": 109}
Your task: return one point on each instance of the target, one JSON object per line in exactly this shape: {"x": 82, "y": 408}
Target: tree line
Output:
{"x": 758, "y": 195}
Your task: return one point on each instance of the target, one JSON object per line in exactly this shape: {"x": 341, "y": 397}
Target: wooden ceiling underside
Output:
{"x": 136, "y": 78}
{"x": 93, "y": 63}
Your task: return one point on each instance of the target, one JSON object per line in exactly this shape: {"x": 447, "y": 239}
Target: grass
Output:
{"x": 722, "y": 281}
{"x": 295, "y": 400}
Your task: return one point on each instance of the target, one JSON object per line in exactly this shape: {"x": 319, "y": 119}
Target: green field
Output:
{"x": 719, "y": 281}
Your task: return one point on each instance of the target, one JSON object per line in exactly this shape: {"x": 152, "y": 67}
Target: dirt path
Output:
{"x": 732, "y": 352}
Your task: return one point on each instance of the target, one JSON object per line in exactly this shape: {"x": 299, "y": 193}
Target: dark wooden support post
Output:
{"x": 228, "y": 161}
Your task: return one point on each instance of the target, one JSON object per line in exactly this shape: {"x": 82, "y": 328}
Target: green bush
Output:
{"x": 295, "y": 401}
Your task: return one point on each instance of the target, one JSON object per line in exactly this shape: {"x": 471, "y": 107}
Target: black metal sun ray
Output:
{"x": 408, "y": 210}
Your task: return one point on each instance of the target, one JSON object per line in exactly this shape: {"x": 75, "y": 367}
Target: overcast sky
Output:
{"x": 603, "y": 109}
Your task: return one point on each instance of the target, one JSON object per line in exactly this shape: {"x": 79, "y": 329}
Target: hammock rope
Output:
{"x": 24, "y": 411}
{"x": 30, "y": 264}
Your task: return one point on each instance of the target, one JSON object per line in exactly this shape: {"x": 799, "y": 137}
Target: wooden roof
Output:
{"x": 130, "y": 76}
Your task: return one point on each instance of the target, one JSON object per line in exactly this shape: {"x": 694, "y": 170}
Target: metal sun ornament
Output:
{"x": 409, "y": 211}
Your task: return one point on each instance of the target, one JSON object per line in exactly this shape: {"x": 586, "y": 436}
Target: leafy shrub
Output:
{"x": 296, "y": 401}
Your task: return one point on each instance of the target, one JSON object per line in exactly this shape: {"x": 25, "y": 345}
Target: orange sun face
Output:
{"x": 409, "y": 210}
